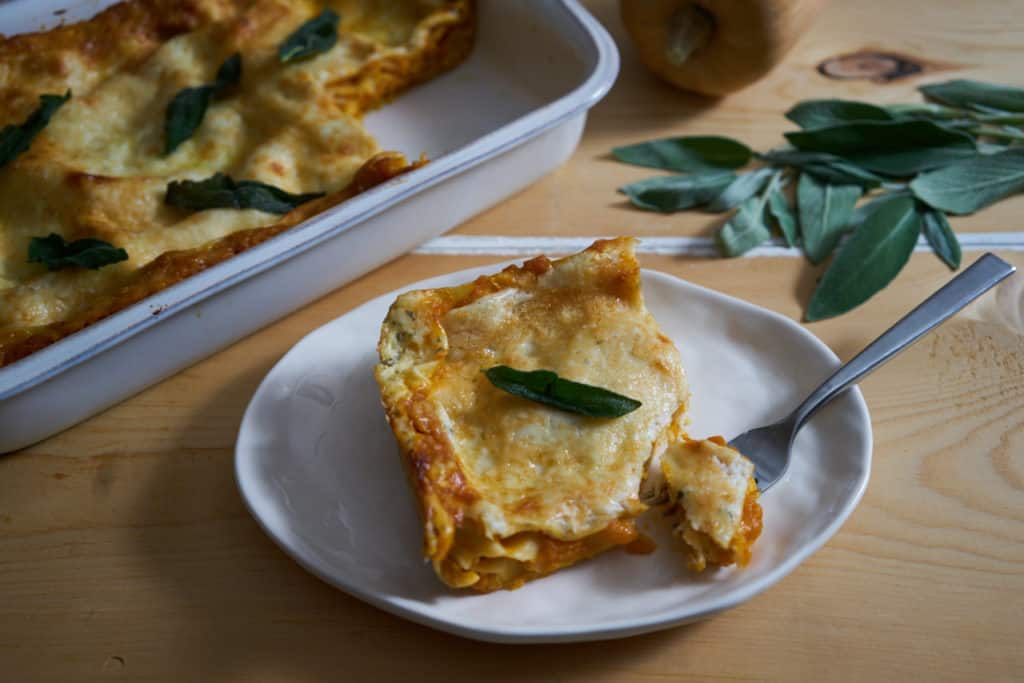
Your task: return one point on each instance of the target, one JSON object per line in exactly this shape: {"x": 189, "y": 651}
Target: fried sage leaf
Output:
{"x": 741, "y": 189}
{"x": 15, "y": 139}
{"x": 55, "y": 253}
{"x": 968, "y": 94}
{"x": 544, "y": 386}
{"x": 316, "y": 36}
{"x": 685, "y": 154}
{"x": 869, "y": 260}
{"x": 186, "y": 110}
{"x": 825, "y": 212}
{"x": 973, "y": 184}
{"x": 677, "y": 192}
{"x": 220, "y": 191}
{"x": 941, "y": 238}
{"x": 820, "y": 113}
{"x": 897, "y": 148}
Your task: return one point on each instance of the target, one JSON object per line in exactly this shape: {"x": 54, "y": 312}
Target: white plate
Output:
{"x": 319, "y": 469}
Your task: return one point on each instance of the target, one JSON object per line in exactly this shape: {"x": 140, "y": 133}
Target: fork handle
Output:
{"x": 983, "y": 274}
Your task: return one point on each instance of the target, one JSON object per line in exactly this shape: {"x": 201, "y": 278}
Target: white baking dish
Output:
{"x": 509, "y": 115}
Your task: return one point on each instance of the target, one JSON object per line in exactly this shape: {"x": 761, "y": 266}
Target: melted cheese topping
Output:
{"x": 98, "y": 170}
{"x": 544, "y": 469}
{"x": 507, "y": 468}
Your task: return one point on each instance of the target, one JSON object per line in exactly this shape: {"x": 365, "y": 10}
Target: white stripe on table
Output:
{"x": 504, "y": 245}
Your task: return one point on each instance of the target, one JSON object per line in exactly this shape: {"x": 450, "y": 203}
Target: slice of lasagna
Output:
{"x": 267, "y": 92}
{"x": 510, "y": 489}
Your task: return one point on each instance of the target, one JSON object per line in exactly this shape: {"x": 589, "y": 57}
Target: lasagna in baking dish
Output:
{"x": 163, "y": 136}
{"x": 510, "y": 488}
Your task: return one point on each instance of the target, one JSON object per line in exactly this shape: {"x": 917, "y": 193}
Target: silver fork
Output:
{"x": 769, "y": 447}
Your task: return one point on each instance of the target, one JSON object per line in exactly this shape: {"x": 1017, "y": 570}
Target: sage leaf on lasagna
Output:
{"x": 544, "y": 386}
{"x": 186, "y": 110}
{"x": 314, "y": 37}
{"x": 55, "y": 253}
{"x": 221, "y": 191}
{"x": 15, "y": 139}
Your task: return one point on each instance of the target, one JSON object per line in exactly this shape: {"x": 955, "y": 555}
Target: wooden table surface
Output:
{"x": 126, "y": 552}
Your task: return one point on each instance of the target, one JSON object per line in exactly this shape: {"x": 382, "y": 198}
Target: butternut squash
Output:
{"x": 715, "y": 47}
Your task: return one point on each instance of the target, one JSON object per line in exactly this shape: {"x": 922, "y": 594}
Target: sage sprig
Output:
{"x": 544, "y": 386}
{"x": 186, "y": 110}
{"x": 907, "y": 164}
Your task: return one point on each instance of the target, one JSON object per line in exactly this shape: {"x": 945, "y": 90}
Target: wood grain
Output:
{"x": 982, "y": 40}
{"x": 127, "y": 554}
{"x": 126, "y": 549}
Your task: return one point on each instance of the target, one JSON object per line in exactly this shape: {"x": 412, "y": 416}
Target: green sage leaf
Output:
{"x": 783, "y": 215}
{"x": 942, "y": 238}
{"x": 973, "y": 184}
{"x": 745, "y": 230}
{"x": 316, "y": 36}
{"x": 924, "y": 110}
{"x": 684, "y": 154}
{"x": 186, "y": 110}
{"x": 16, "y": 139}
{"x": 56, "y": 254}
{"x": 825, "y": 212}
{"x": 825, "y": 167}
{"x": 868, "y": 261}
{"x": 861, "y": 213}
{"x": 677, "y": 192}
{"x": 967, "y": 94}
{"x": 821, "y": 113}
{"x": 220, "y": 191}
{"x": 898, "y": 148}
{"x": 741, "y": 189}
{"x": 544, "y": 386}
